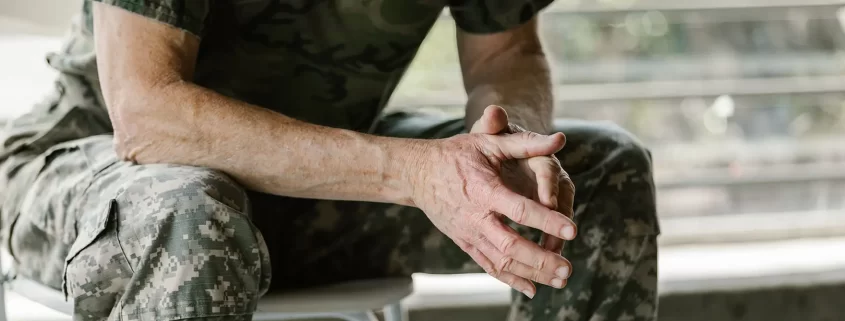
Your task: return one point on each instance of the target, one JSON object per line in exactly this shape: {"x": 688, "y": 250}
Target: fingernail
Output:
{"x": 567, "y": 232}
{"x": 558, "y": 283}
{"x": 563, "y": 272}
{"x": 528, "y": 293}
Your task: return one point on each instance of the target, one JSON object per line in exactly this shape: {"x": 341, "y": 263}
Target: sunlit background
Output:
{"x": 742, "y": 103}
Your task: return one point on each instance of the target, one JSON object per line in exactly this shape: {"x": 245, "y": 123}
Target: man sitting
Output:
{"x": 192, "y": 149}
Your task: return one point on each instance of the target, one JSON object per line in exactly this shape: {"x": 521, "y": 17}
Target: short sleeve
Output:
{"x": 490, "y": 16}
{"x": 188, "y": 15}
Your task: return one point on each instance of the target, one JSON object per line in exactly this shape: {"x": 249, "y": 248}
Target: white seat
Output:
{"x": 351, "y": 301}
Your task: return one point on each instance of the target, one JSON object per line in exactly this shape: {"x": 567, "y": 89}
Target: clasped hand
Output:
{"x": 471, "y": 184}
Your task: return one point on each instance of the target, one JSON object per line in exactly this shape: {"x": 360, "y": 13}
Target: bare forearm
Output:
{"x": 186, "y": 124}
{"x": 521, "y": 85}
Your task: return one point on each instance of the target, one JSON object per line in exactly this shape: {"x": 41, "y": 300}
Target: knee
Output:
{"x": 181, "y": 189}
{"x": 170, "y": 230}
{"x": 180, "y": 210}
{"x": 632, "y": 154}
{"x": 604, "y": 144}
{"x": 613, "y": 175}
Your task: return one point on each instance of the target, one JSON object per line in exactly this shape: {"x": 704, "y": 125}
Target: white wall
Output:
{"x": 45, "y": 16}
{"x": 28, "y": 30}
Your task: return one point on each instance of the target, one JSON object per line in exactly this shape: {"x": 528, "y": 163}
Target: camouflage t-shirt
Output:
{"x": 330, "y": 62}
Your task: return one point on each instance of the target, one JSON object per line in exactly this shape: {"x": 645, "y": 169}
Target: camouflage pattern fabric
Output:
{"x": 341, "y": 59}
{"x": 168, "y": 242}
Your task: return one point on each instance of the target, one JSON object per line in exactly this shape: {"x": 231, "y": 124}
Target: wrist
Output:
{"x": 406, "y": 163}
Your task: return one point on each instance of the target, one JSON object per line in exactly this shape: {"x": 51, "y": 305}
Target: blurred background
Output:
{"x": 742, "y": 103}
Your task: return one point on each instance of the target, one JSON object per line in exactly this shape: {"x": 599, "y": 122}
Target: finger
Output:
{"x": 503, "y": 262}
{"x": 493, "y": 121}
{"x": 565, "y": 201}
{"x": 526, "y": 212}
{"x": 552, "y": 244}
{"x": 547, "y": 173}
{"x": 511, "y": 245}
{"x": 566, "y": 195}
{"x": 527, "y": 144}
{"x": 512, "y": 280}
{"x": 514, "y": 128}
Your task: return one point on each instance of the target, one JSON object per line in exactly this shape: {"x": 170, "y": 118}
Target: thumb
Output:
{"x": 528, "y": 144}
{"x": 493, "y": 121}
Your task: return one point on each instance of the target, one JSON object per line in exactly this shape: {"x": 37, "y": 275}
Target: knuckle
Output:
{"x": 570, "y": 185}
{"x": 548, "y": 222}
{"x": 490, "y": 269}
{"x": 504, "y": 264}
{"x": 537, "y": 276}
{"x": 564, "y": 176}
{"x": 486, "y": 144}
{"x": 510, "y": 281}
{"x": 561, "y": 173}
{"x": 555, "y": 169}
{"x": 474, "y": 223}
{"x": 508, "y": 245}
{"x": 491, "y": 191}
{"x": 519, "y": 214}
{"x": 566, "y": 182}
{"x": 486, "y": 265}
{"x": 541, "y": 263}
{"x": 466, "y": 247}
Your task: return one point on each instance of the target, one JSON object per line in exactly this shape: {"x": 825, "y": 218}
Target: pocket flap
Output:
{"x": 90, "y": 227}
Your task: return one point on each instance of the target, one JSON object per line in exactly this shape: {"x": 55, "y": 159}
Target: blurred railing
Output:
{"x": 741, "y": 102}
{"x": 588, "y": 6}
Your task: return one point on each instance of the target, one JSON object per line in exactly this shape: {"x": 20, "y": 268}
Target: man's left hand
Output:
{"x": 540, "y": 178}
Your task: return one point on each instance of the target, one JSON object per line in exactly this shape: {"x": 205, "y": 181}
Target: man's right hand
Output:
{"x": 459, "y": 187}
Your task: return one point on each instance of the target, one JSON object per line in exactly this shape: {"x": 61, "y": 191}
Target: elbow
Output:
{"x": 131, "y": 130}
{"x": 139, "y": 119}
{"x": 128, "y": 147}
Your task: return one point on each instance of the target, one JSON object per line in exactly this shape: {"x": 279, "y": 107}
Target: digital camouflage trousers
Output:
{"x": 170, "y": 242}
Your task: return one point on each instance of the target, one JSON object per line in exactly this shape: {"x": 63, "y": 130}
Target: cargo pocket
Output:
{"x": 91, "y": 228}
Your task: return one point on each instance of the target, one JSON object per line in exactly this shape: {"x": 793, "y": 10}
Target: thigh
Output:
{"x": 317, "y": 242}
{"x": 42, "y": 166}
{"x": 134, "y": 241}
{"x": 41, "y": 203}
